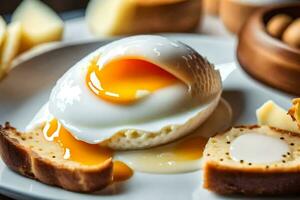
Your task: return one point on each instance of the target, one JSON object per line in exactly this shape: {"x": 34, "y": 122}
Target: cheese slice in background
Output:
{"x": 111, "y": 17}
{"x": 40, "y": 23}
{"x": 273, "y": 115}
{"x": 10, "y": 47}
{"x": 128, "y": 17}
{"x": 2, "y": 30}
{"x": 211, "y": 7}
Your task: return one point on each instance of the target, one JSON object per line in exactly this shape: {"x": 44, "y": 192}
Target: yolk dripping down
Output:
{"x": 75, "y": 150}
{"x": 126, "y": 80}
{"x": 121, "y": 171}
{"x": 188, "y": 149}
{"x": 84, "y": 153}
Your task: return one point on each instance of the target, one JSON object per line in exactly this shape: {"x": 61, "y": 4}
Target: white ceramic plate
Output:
{"x": 28, "y": 87}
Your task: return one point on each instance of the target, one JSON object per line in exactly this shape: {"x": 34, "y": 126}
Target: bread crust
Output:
{"x": 254, "y": 181}
{"x": 30, "y": 164}
{"x": 250, "y": 182}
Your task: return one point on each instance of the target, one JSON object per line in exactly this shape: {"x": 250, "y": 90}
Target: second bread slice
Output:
{"x": 224, "y": 175}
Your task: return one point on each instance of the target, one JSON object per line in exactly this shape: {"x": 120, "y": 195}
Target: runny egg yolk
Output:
{"x": 190, "y": 149}
{"x": 125, "y": 81}
{"x": 84, "y": 153}
{"x": 186, "y": 150}
{"x": 121, "y": 171}
{"x": 75, "y": 150}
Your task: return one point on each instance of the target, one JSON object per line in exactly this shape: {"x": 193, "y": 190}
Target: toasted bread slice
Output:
{"x": 31, "y": 155}
{"x": 225, "y": 175}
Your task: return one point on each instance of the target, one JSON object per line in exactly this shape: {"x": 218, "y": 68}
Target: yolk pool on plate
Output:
{"x": 121, "y": 171}
{"x": 75, "y": 150}
{"x": 186, "y": 150}
{"x": 127, "y": 80}
{"x": 190, "y": 149}
{"x": 182, "y": 156}
{"x": 84, "y": 153}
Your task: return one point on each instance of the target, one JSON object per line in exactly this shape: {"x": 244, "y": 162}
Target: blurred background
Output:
{"x": 210, "y": 17}
{"x": 27, "y": 24}
{"x": 8, "y": 6}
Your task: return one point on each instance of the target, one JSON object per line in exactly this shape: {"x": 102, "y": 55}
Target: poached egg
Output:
{"x": 148, "y": 84}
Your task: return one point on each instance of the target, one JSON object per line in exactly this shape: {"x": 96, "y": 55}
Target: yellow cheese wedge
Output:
{"x": 10, "y": 47}
{"x": 40, "y": 23}
{"x": 124, "y": 17}
{"x": 109, "y": 17}
{"x": 211, "y": 6}
{"x": 2, "y": 30}
{"x": 273, "y": 115}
